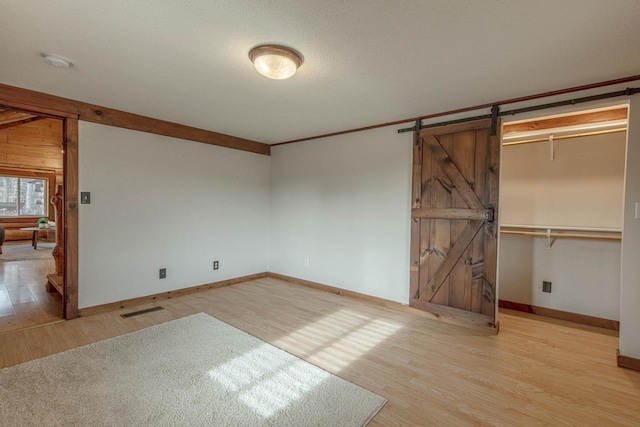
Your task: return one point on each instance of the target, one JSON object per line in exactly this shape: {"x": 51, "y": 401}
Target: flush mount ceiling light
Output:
{"x": 57, "y": 61}
{"x": 275, "y": 61}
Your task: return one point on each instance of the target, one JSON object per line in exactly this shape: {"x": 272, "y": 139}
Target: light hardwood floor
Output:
{"x": 533, "y": 373}
{"x": 24, "y": 302}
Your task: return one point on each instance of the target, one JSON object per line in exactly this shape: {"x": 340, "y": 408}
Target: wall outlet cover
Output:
{"x": 216, "y": 265}
{"x": 546, "y": 286}
{"x": 163, "y": 273}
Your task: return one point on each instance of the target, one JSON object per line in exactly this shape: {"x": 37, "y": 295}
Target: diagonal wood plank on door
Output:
{"x": 440, "y": 232}
{"x": 464, "y": 240}
{"x": 452, "y": 171}
{"x": 463, "y": 155}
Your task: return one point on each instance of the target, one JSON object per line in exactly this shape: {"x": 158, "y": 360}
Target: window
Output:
{"x": 23, "y": 197}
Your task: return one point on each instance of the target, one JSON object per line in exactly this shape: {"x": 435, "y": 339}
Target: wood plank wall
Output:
{"x": 34, "y": 147}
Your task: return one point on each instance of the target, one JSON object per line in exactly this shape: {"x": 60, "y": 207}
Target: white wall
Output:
{"x": 515, "y": 269}
{"x": 344, "y": 203}
{"x": 585, "y": 274}
{"x": 163, "y": 202}
{"x": 630, "y": 280}
{"x": 583, "y": 186}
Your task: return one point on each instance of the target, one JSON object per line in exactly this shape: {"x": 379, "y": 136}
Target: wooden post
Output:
{"x": 70, "y": 217}
{"x": 58, "y": 251}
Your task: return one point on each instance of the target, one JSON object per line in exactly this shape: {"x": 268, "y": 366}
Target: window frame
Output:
{"x": 49, "y": 177}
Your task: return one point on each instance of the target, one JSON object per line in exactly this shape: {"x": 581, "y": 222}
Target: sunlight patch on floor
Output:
{"x": 285, "y": 387}
{"x": 265, "y": 382}
{"x": 246, "y": 369}
{"x": 357, "y": 335}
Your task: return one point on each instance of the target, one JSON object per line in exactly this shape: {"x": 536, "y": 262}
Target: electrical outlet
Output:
{"x": 216, "y": 265}
{"x": 546, "y": 286}
{"x": 163, "y": 273}
{"x": 307, "y": 262}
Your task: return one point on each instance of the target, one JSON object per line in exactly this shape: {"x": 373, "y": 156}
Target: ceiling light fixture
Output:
{"x": 57, "y": 61}
{"x": 275, "y": 61}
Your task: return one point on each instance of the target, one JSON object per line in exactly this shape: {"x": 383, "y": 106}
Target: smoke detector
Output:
{"x": 57, "y": 61}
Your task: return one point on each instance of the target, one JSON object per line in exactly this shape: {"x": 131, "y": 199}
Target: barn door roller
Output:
{"x": 494, "y": 119}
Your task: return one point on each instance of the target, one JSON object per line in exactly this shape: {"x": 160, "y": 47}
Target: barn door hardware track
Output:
{"x": 495, "y": 113}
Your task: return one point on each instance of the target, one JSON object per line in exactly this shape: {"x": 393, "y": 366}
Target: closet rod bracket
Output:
{"x": 548, "y": 238}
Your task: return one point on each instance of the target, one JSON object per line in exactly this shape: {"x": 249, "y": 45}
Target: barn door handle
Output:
{"x": 490, "y": 215}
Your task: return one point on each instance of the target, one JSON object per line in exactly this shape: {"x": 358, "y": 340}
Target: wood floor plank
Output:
{"x": 27, "y": 303}
{"x": 534, "y": 372}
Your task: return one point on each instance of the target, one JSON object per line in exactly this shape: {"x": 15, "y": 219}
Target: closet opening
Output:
{"x": 562, "y": 195}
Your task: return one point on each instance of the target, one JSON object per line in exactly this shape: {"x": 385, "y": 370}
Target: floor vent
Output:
{"x": 139, "y": 312}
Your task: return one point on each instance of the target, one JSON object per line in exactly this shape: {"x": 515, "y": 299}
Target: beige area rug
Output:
{"x": 25, "y": 251}
{"x": 195, "y": 371}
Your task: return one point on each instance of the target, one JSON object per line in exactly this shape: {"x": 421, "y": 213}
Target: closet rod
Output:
{"x": 566, "y": 235}
{"x": 562, "y": 228}
{"x": 557, "y": 138}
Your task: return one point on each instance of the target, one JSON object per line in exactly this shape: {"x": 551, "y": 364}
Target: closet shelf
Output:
{"x": 554, "y": 232}
{"x": 552, "y": 137}
{"x": 562, "y": 228}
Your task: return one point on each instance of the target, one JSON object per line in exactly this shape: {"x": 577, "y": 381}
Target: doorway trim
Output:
{"x": 70, "y": 191}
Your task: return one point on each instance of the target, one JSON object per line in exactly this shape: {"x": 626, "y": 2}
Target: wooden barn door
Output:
{"x": 454, "y": 227}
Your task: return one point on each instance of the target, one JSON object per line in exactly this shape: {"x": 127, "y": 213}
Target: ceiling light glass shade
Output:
{"x": 275, "y": 62}
{"x": 275, "y": 67}
{"x": 57, "y": 61}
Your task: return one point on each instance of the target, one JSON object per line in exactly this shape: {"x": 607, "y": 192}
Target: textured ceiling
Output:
{"x": 366, "y": 62}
